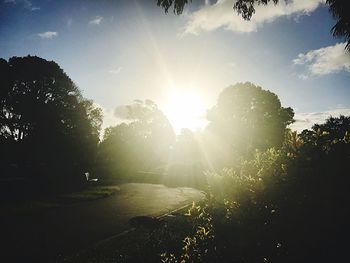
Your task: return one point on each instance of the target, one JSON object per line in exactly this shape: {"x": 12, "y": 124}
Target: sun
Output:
{"x": 185, "y": 109}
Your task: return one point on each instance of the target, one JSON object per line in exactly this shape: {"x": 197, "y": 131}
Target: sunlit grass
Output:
{"x": 90, "y": 193}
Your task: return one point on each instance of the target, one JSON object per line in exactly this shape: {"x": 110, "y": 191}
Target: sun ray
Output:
{"x": 185, "y": 109}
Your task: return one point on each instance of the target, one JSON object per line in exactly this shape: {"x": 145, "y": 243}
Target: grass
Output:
{"x": 91, "y": 193}
{"x": 138, "y": 245}
{"x": 28, "y": 206}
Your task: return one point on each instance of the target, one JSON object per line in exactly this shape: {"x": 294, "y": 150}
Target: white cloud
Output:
{"x": 325, "y": 60}
{"x": 25, "y": 3}
{"x": 28, "y": 5}
{"x": 115, "y": 71}
{"x": 303, "y": 76}
{"x": 221, "y": 15}
{"x": 96, "y": 20}
{"x": 48, "y": 35}
{"x": 307, "y": 120}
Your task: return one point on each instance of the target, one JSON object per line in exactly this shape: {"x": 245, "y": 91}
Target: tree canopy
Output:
{"x": 246, "y": 8}
{"x": 248, "y": 117}
{"x": 45, "y": 123}
{"x": 142, "y": 142}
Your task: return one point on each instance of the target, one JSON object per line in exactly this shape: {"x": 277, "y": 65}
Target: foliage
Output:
{"x": 338, "y": 8}
{"x": 246, "y": 118}
{"x": 285, "y": 205}
{"x": 178, "y": 5}
{"x": 340, "y": 11}
{"x": 246, "y": 8}
{"x": 47, "y": 129}
{"x": 140, "y": 144}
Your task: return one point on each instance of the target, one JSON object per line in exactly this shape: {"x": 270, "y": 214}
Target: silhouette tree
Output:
{"x": 247, "y": 117}
{"x": 335, "y": 128}
{"x": 178, "y": 5}
{"x": 340, "y": 9}
{"x": 141, "y": 143}
{"x": 47, "y": 125}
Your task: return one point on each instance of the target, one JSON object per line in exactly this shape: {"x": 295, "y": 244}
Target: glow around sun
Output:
{"x": 185, "y": 109}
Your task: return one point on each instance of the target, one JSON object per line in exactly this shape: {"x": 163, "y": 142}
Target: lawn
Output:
{"x": 35, "y": 205}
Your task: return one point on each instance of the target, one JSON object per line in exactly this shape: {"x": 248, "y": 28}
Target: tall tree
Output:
{"x": 142, "y": 142}
{"x": 247, "y": 117}
{"x": 45, "y": 122}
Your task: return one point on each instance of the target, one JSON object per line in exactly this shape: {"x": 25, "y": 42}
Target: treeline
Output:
{"x": 245, "y": 118}
{"x": 50, "y": 133}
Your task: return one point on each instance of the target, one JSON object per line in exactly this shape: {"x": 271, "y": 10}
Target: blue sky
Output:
{"x": 118, "y": 51}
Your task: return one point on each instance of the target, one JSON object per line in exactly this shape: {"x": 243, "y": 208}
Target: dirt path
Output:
{"x": 62, "y": 231}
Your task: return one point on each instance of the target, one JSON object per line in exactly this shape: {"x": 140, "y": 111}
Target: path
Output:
{"x": 65, "y": 230}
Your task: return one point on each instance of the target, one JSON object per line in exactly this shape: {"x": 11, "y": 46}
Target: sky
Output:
{"x": 117, "y": 51}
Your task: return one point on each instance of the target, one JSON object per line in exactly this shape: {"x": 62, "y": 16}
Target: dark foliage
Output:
{"x": 178, "y": 5}
{"x": 48, "y": 131}
{"x": 286, "y": 205}
{"x": 340, "y": 9}
{"x": 246, "y": 7}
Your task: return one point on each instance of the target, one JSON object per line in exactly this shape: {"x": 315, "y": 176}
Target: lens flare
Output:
{"x": 185, "y": 109}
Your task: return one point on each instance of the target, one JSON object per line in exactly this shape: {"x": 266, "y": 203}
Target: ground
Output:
{"x": 55, "y": 233}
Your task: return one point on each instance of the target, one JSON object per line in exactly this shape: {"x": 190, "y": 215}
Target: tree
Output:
{"x": 178, "y": 5}
{"x": 186, "y": 150}
{"x": 141, "y": 143}
{"x": 186, "y": 166}
{"x": 246, "y": 8}
{"x": 340, "y": 11}
{"x": 336, "y": 128}
{"x": 246, "y": 118}
{"x": 46, "y": 126}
